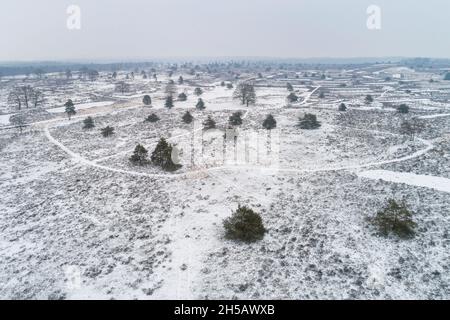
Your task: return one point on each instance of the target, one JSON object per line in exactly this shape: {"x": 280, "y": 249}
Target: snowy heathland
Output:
{"x": 78, "y": 220}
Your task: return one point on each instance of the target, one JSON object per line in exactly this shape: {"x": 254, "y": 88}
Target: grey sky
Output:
{"x": 134, "y": 29}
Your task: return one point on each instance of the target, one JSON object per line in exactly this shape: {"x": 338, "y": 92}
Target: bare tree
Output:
{"x": 37, "y": 98}
{"x": 245, "y": 92}
{"x": 14, "y": 98}
{"x": 411, "y": 128}
{"x": 18, "y": 120}
{"x": 122, "y": 87}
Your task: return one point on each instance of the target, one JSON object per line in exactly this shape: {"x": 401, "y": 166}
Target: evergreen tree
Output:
{"x": 169, "y": 102}
{"x": 107, "y": 131}
{"x": 187, "y": 117}
{"x": 222, "y": 84}
{"x": 180, "y": 80}
{"x": 229, "y": 85}
{"x": 395, "y": 218}
{"x": 198, "y": 91}
{"x": 269, "y": 123}
{"x": 289, "y": 87}
{"x": 321, "y": 95}
{"x": 162, "y": 156}
{"x": 182, "y": 97}
{"x": 147, "y": 100}
{"x": 447, "y": 76}
{"x": 309, "y": 121}
{"x": 152, "y": 118}
{"x": 244, "y": 225}
{"x": 235, "y": 119}
{"x": 200, "y": 104}
{"x": 70, "y": 108}
{"x": 88, "y": 123}
{"x": 139, "y": 156}
{"x": 368, "y": 99}
{"x": 403, "y": 108}
{"x": 342, "y": 107}
{"x": 209, "y": 123}
{"x": 292, "y": 97}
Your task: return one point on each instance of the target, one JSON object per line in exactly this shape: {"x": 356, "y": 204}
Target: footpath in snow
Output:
{"x": 418, "y": 180}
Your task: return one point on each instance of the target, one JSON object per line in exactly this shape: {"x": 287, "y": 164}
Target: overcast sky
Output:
{"x": 144, "y": 29}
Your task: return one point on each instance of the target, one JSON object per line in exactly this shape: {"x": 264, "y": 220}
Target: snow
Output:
{"x": 82, "y": 106}
{"x": 433, "y": 116}
{"x": 418, "y": 180}
{"x": 4, "y": 119}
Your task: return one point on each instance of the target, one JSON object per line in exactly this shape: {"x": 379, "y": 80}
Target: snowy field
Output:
{"x": 79, "y": 221}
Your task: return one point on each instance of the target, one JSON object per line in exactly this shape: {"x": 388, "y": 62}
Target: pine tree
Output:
{"x": 180, "y": 80}
{"x": 162, "y": 156}
{"x": 222, "y": 84}
{"x": 447, "y": 76}
{"x": 229, "y": 85}
{"x": 368, "y": 99}
{"x": 147, "y": 100}
{"x": 321, "y": 95}
{"x": 152, "y": 118}
{"x": 107, "y": 131}
{"x": 70, "y": 108}
{"x": 88, "y": 123}
{"x": 187, "y": 117}
{"x": 309, "y": 121}
{"x": 200, "y": 104}
{"x": 269, "y": 123}
{"x": 342, "y": 107}
{"x": 235, "y": 119}
{"x": 198, "y": 91}
{"x": 289, "y": 87}
{"x": 244, "y": 225}
{"x": 209, "y": 123}
{"x": 292, "y": 97}
{"x": 139, "y": 156}
{"x": 169, "y": 102}
{"x": 395, "y": 218}
{"x": 403, "y": 108}
{"x": 182, "y": 97}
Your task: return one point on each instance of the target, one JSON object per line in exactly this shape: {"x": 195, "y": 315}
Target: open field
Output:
{"x": 79, "y": 220}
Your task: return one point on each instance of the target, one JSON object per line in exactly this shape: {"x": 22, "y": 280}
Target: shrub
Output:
{"x": 447, "y": 76}
{"x": 342, "y": 107}
{"x": 107, "y": 131}
{"x": 309, "y": 121}
{"x": 292, "y": 97}
{"x": 88, "y": 123}
{"x": 198, "y": 91}
{"x": 395, "y": 218}
{"x": 235, "y": 119}
{"x": 209, "y": 123}
{"x": 244, "y": 225}
{"x": 182, "y": 97}
{"x": 289, "y": 87}
{"x": 321, "y": 95}
{"x": 139, "y": 156}
{"x": 152, "y": 118}
{"x": 200, "y": 104}
{"x": 147, "y": 100}
{"x": 162, "y": 156}
{"x": 269, "y": 123}
{"x": 187, "y": 117}
{"x": 403, "y": 108}
{"x": 368, "y": 99}
{"x": 229, "y": 85}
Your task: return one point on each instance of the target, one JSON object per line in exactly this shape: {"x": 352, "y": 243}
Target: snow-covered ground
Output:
{"x": 78, "y": 220}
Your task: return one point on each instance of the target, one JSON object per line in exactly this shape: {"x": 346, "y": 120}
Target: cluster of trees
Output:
{"x": 245, "y": 92}
{"x": 308, "y": 121}
{"x": 162, "y": 156}
{"x": 26, "y": 97}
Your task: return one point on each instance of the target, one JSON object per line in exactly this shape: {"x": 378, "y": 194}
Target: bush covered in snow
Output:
{"x": 309, "y": 121}
{"x": 395, "y": 218}
{"x": 244, "y": 225}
